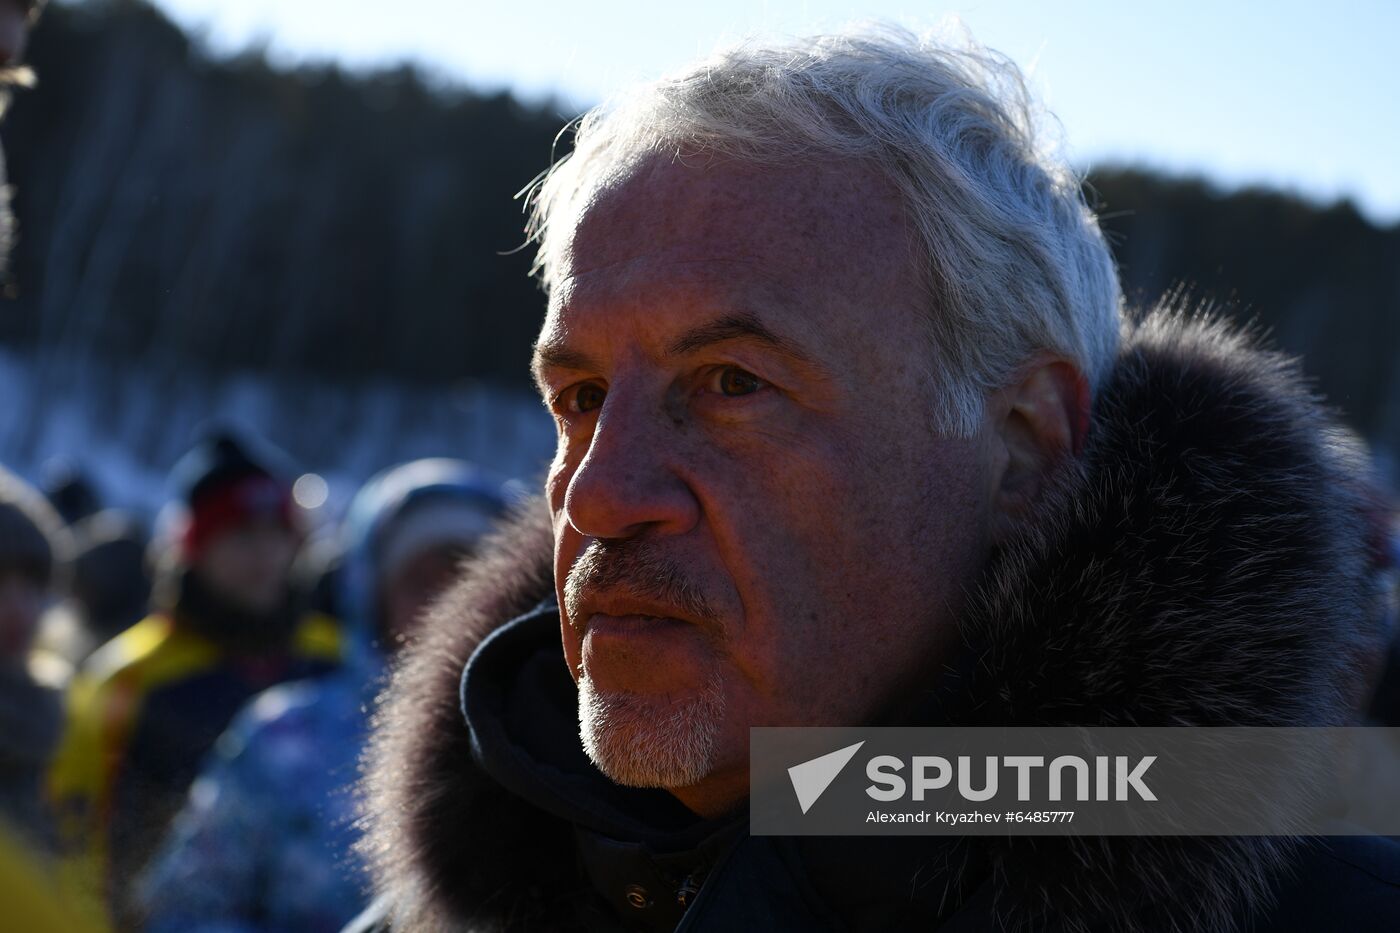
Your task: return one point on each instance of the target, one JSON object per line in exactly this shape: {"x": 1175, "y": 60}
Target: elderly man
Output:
{"x": 851, "y": 430}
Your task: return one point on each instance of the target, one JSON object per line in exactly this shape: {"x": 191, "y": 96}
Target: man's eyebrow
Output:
{"x": 742, "y": 325}
{"x": 549, "y": 355}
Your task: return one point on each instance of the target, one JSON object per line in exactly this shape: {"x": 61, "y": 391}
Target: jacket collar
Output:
{"x": 521, "y": 710}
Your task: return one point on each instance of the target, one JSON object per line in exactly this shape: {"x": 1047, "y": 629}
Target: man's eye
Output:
{"x": 733, "y": 381}
{"x": 582, "y": 398}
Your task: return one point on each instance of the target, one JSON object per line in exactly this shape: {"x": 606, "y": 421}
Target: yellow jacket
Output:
{"x": 141, "y": 714}
{"x": 33, "y": 897}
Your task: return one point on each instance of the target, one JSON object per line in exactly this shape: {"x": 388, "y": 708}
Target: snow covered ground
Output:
{"x": 127, "y": 424}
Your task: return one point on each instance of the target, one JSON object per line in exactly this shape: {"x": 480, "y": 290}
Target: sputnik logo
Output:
{"x": 811, "y": 778}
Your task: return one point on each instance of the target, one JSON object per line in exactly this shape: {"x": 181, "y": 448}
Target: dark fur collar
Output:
{"x": 1202, "y": 563}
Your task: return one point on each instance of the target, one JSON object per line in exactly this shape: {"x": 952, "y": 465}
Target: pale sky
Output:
{"x": 1303, "y": 96}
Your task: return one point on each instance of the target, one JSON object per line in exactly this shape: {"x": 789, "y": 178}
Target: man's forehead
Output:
{"x": 820, "y": 256}
{"x": 683, "y": 285}
{"x": 699, "y": 214}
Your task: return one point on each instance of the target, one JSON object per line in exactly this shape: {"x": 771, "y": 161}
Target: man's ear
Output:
{"x": 1041, "y": 419}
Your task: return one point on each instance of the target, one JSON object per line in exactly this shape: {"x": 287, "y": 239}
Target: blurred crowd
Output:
{"x": 182, "y": 707}
{"x": 183, "y": 711}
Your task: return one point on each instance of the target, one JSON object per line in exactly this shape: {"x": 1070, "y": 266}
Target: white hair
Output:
{"x": 1014, "y": 260}
{"x": 641, "y": 741}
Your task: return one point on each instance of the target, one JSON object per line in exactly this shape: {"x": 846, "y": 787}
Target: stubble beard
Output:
{"x": 639, "y": 739}
{"x": 643, "y": 742}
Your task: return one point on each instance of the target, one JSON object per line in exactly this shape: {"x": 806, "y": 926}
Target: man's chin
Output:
{"x": 640, "y": 740}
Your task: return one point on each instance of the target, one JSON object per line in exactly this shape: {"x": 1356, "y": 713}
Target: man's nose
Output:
{"x": 14, "y": 31}
{"x": 629, "y": 481}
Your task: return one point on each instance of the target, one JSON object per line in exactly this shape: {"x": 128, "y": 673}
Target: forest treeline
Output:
{"x": 230, "y": 215}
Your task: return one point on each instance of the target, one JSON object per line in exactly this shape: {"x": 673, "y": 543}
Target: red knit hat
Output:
{"x": 225, "y": 488}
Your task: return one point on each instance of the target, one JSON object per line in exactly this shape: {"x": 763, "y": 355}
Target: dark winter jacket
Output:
{"x": 1202, "y": 562}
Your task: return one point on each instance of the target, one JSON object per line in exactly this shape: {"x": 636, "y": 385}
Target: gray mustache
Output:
{"x": 638, "y": 569}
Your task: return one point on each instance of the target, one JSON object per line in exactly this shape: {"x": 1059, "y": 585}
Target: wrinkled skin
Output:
{"x": 735, "y": 357}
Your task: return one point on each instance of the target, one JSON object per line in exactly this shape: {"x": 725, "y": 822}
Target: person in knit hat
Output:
{"x": 147, "y": 706}
{"x": 229, "y": 569}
